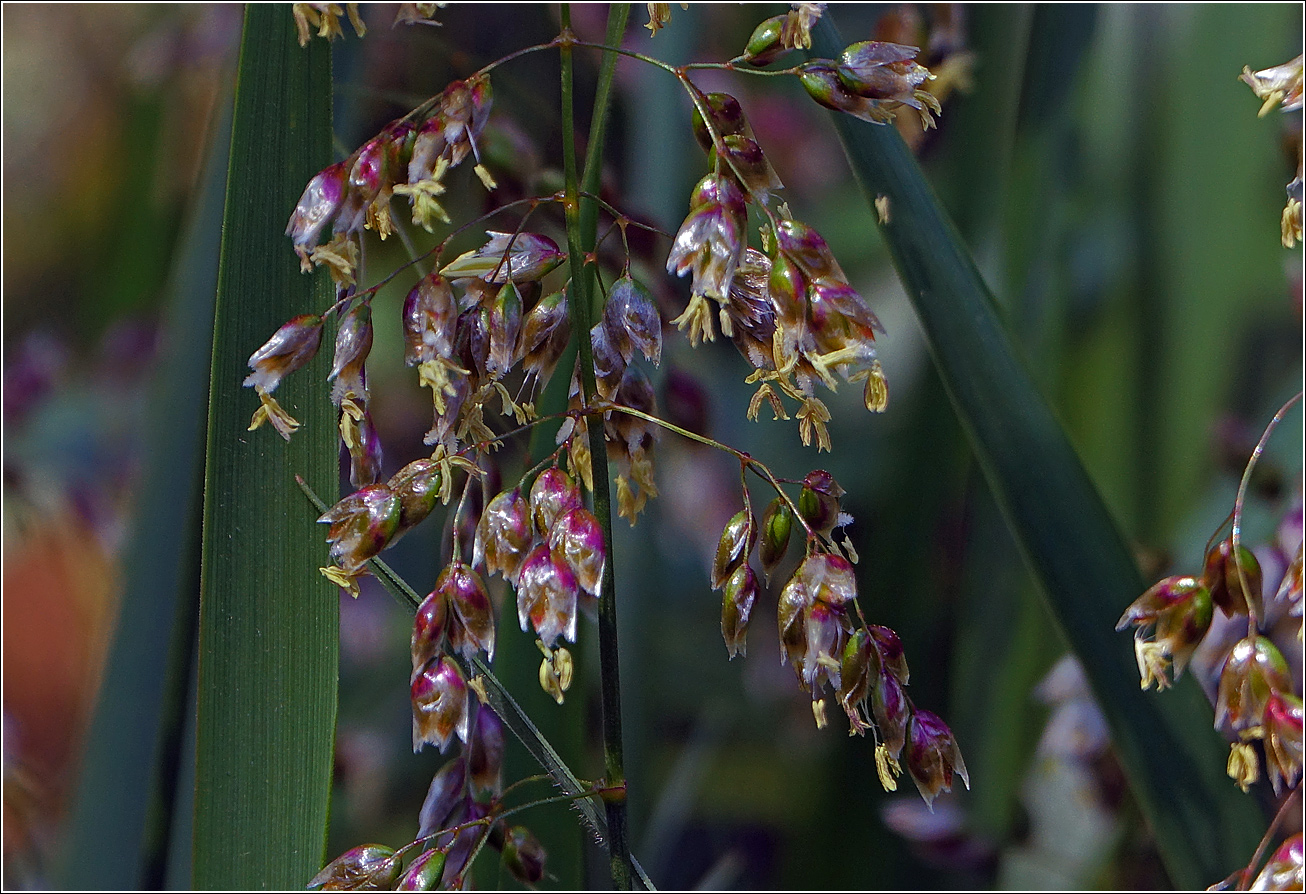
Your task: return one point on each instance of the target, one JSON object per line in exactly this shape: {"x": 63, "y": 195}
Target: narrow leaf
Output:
{"x": 1173, "y": 758}
{"x": 269, "y": 624}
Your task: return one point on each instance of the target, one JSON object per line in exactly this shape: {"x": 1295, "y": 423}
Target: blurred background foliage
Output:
{"x": 1114, "y": 183}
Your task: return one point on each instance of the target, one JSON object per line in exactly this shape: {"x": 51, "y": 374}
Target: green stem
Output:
{"x": 1235, "y": 536}
{"x": 582, "y": 219}
{"x": 758, "y": 467}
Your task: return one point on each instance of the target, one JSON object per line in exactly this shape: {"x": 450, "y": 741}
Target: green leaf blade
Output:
{"x": 269, "y": 626}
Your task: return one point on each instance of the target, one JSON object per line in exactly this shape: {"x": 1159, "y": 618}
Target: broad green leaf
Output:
{"x": 1174, "y": 759}
{"x": 269, "y": 624}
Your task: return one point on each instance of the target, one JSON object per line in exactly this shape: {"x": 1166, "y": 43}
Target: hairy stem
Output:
{"x": 581, "y": 226}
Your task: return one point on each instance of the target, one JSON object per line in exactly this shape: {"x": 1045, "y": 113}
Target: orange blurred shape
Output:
{"x": 60, "y": 590}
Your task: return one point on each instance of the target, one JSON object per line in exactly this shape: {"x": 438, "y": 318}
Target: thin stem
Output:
{"x": 489, "y": 820}
{"x": 581, "y": 228}
{"x": 1246, "y": 874}
{"x": 1236, "y": 534}
{"x": 758, "y": 467}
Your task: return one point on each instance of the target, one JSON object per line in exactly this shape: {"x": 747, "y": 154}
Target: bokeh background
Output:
{"x": 1111, "y": 177}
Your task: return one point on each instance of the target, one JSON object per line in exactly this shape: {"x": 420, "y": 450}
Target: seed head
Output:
{"x": 711, "y": 241}
{"x": 504, "y": 535}
{"x": 423, "y": 874}
{"x": 471, "y": 617}
{"x": 545, "y": 330}
{"x": 523, "y": 854}
{"x": 891, "y": 711}
{"x": 363, "y": 867}
{"x": 576, "y": 539}
{"x": 726, "y": 117}
{"x": 818, "y": 502}
{"x": 1221, "y": 577}
{"x": 440, "y": 706}
{"x": 737, "y": 539}
{"x": 777, "y": 522}
{"x": 508, "y": 257}
{"x": 1254, "y": 670}
{"x": 353, "y": 344}
{"x": 1171, "y": 617}
{"x": 632, "y": 321}
{"x": 933, "y": 757}
{"x": 872, "y": 81}
{"x": 289, "y": 348}
{"x": 428, "y": 629}
{"x": 485, "y": 756}
{"x": 764, "y": 45}
{"x": 362, "y": 524}
{"x": 418, "y": 487}
{"x": 444, "y": 798}
{"x": 430, "y": 317}
{"x": 736, "y": 607}
{"x": 547, "y": 594}
{"x": 1283, "y": 871}
{"x": 361, "y": 439}
{"x": 1282, "y": 732}
{"x": 320, "y": 202}
{"x": 553, "y": 494}
{"x": 1280, "y": 85}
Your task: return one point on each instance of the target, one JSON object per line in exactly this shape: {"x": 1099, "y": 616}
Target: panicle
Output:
{"x": 409, "y": 156}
